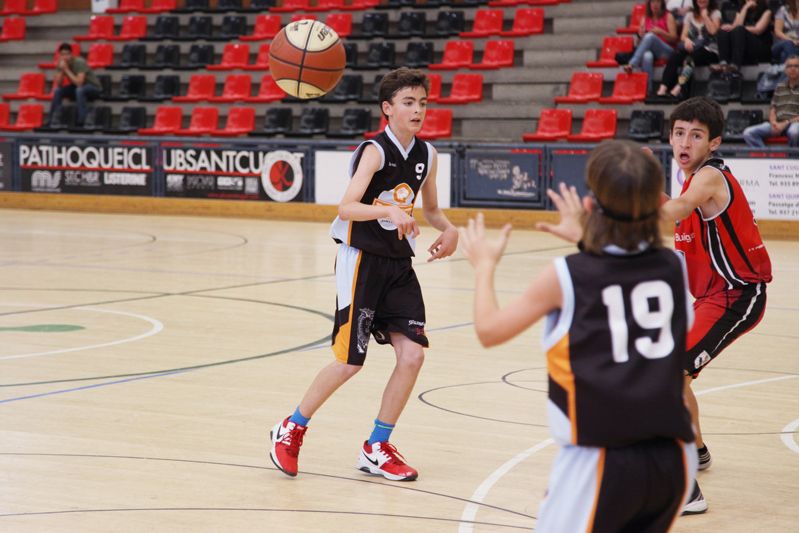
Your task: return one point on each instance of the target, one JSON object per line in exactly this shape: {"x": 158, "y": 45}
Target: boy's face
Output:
{"x": 691, "y": 144}
{"x": 407, "y": 109}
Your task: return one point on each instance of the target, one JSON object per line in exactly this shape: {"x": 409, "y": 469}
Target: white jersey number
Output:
{"x": 613, "y": 298}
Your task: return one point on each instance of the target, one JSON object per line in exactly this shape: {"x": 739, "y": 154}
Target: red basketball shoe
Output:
{"x": 383, "y": 459}
{"x": 286, "y": 439}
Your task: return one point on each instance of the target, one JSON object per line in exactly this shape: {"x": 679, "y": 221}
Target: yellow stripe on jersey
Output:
{"x": 341, "y": 346}
{"x": 560, "y": 370}
{"x": 600, "y": 471}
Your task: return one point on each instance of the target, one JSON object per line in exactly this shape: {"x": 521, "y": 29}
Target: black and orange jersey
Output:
{"x": 616, "y": 348}
{"x": 397, "y": 182}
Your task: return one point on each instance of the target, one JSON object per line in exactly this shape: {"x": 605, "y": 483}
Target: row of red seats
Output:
{"x": 460, "y": 54}
{"x": 556, "y": 125}
{"x": 587, "y": 87}
{"x": 466, "y": 88}
{"x": 20, "y": 7}
{"x": 163, "y": 6}
{"x": 13, "y": 29}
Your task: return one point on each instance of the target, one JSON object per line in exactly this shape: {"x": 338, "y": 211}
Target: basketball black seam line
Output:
{"x": 298, "y": 66}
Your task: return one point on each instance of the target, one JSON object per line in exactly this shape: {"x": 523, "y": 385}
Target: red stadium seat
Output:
{"x": 240, "y": 121}
{"x": 5, "y": 115}
{"x": 636, "y": 16}
{"x": 238, "y": 88}
{"x": 29, "y": 117}
{"x": 487, "y": 22}
{"x": 234, "y": 56}
{"x": 57, "y": 56}
{"x": 598, "y": 124}
{"x": 44, "y": 7}
{"x": 511, "y": 3}
{"x": 628, "y": 88}
{"x": 341, "y": 23}
{"x": 269, "y": 91}
{"x": 527, "y": 21}
{"x": 380, "y": 128}
{"x": 261, "y": 60}
{"x": 457, "y": 54}
{"x": 203, "y": 121}
{"x": 435, "y": 87}
{"x": 160, "y": 6}
{"x": 358, "y": 5}
{"x": 302, "y": 16}
{"x": 167, "y": 121}
{"x": 327, "y": 5}
{"x": 610, "y": 47}
{"x": 100, "y": 27}
{"x": 466, "y": 88}
{"x": 201, "y": 87}
{"x": 31, "y": 85}
{"x": 101, "y": 55}
{"x": 497, "y": 54}
{"x": 13, "y": 30}
{"x": 777, "y": 140}
{"x": 134, "y": 27}
{"x": 553, "y": 125}
{"x": 14, "y": 7}
{"x": 291, "y": 5}
{"x": 437, "y": 124}
{"x": 266, "y": 27}
{"x": 584, "y": 87}
{"x": 127, "y": 6}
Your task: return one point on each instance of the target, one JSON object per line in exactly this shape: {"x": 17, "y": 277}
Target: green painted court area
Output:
{"x": 44, "y": 328}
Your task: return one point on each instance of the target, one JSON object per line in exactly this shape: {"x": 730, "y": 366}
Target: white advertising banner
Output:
{"x": 771, "y": 185}
{"x": 331, "y": 177}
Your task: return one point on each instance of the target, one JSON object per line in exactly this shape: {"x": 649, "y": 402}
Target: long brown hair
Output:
{"x": 650, "y": 14}
{"x": 626, "y": 183}
{"x": 790, "y": 6}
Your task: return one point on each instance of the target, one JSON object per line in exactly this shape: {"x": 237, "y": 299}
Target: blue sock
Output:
{"x": 298, "y": 419}
{"x": 381, "y": 432}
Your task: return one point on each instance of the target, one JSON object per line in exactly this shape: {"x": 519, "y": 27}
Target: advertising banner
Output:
{"x": 240, "y": 173}
{"x": 108, "y": 168}
{"x": 567, "y": 165}
{"x": 771, "y": 185}
{"x": 509, "y": 177}
{"x": 6, "y": 151}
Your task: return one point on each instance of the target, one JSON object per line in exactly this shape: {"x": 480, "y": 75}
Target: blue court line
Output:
{"x": 95, "y": 386}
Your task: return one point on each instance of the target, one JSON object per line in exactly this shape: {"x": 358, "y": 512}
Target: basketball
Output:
{"x": 307, "y": 59}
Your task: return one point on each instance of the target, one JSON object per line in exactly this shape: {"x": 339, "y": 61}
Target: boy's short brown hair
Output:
{"x": 703, "y": 110}
{"x": 399, "y": 79}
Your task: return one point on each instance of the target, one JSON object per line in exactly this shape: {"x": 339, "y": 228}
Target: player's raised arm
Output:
{"x": 707, "y": 185}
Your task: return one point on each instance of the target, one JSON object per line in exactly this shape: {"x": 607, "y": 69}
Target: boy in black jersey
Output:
{"x": 377, "y": 290}
{"x": 618, "y": 315}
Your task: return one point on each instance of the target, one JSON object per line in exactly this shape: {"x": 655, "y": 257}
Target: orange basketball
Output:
{"x": 307, "y": 58}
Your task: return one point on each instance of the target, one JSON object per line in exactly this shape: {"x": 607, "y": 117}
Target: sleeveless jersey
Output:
{"x": 725, "y": 251}
{"x": 616, "y": 348}
{"x": 397, "y": 182}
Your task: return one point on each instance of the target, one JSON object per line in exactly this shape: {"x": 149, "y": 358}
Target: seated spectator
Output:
{"x": 783, "y": 117}
{"x": 786, "y": 32}
{"x": 679, "y": 8}
{"x": 747, "y": 41}
{"x": 81, "y": 84}
{"x": 697, "y": 47}
{"x": 658, "y": 33}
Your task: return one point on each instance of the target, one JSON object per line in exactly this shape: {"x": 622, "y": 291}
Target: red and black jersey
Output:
{"x": 616, "y": 349}
{"x": 397, "y": 182}
{"x": 725, "y": 251}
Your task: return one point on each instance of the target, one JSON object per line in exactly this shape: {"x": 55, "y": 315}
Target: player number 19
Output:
{"x": 660, "y": 319}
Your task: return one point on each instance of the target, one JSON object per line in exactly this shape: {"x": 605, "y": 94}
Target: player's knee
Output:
{"x": 347, "y": 370}
{"x": 411, "y": 357}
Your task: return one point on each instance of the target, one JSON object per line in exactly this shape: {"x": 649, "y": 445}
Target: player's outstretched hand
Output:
{"x": 570, "y": 207}
{"x": 445, "y": 245}
{"x": 406, "y": 224}
{"x": 477, "y": 248}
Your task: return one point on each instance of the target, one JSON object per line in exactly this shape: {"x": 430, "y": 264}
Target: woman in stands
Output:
{"x": 697, "y": 47}
{"x": 747, "y": 41}
{"x": 786, "y": 32}
{"x": 658, "y": 34}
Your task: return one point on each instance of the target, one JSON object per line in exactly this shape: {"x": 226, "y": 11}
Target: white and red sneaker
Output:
{"x": 383, "y": 459}
{"x": 286, "y": 439}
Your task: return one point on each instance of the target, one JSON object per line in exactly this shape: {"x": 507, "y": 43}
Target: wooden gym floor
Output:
{"x": 144, "y": 358}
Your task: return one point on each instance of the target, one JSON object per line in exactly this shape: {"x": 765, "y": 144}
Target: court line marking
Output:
{"x": 470, "y": 511}
{"x": 788, "y": 437}
{"x": 156, "y": 327}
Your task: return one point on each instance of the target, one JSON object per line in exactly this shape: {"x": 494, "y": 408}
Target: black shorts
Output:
{"x": 641, "y": 487}
{"x": 375, "y": 295}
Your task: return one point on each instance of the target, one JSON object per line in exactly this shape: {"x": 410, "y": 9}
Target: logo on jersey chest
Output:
{"x": 402, "y": 196}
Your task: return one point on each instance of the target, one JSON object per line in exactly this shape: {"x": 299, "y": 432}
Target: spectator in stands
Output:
{"x": 786, "y": 32}
{"x": 747, "y": 40}
{"x": 74, "y": 80}
{"x": 783, "y": 117}
{"x": 658, "y": 34}
{"x": 697, "y": 47}
{"x": 679, "y": 8}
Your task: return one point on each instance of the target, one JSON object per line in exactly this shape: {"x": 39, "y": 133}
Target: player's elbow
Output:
{"x": 343, "y": 212}
{"x": 487, "y": 335}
